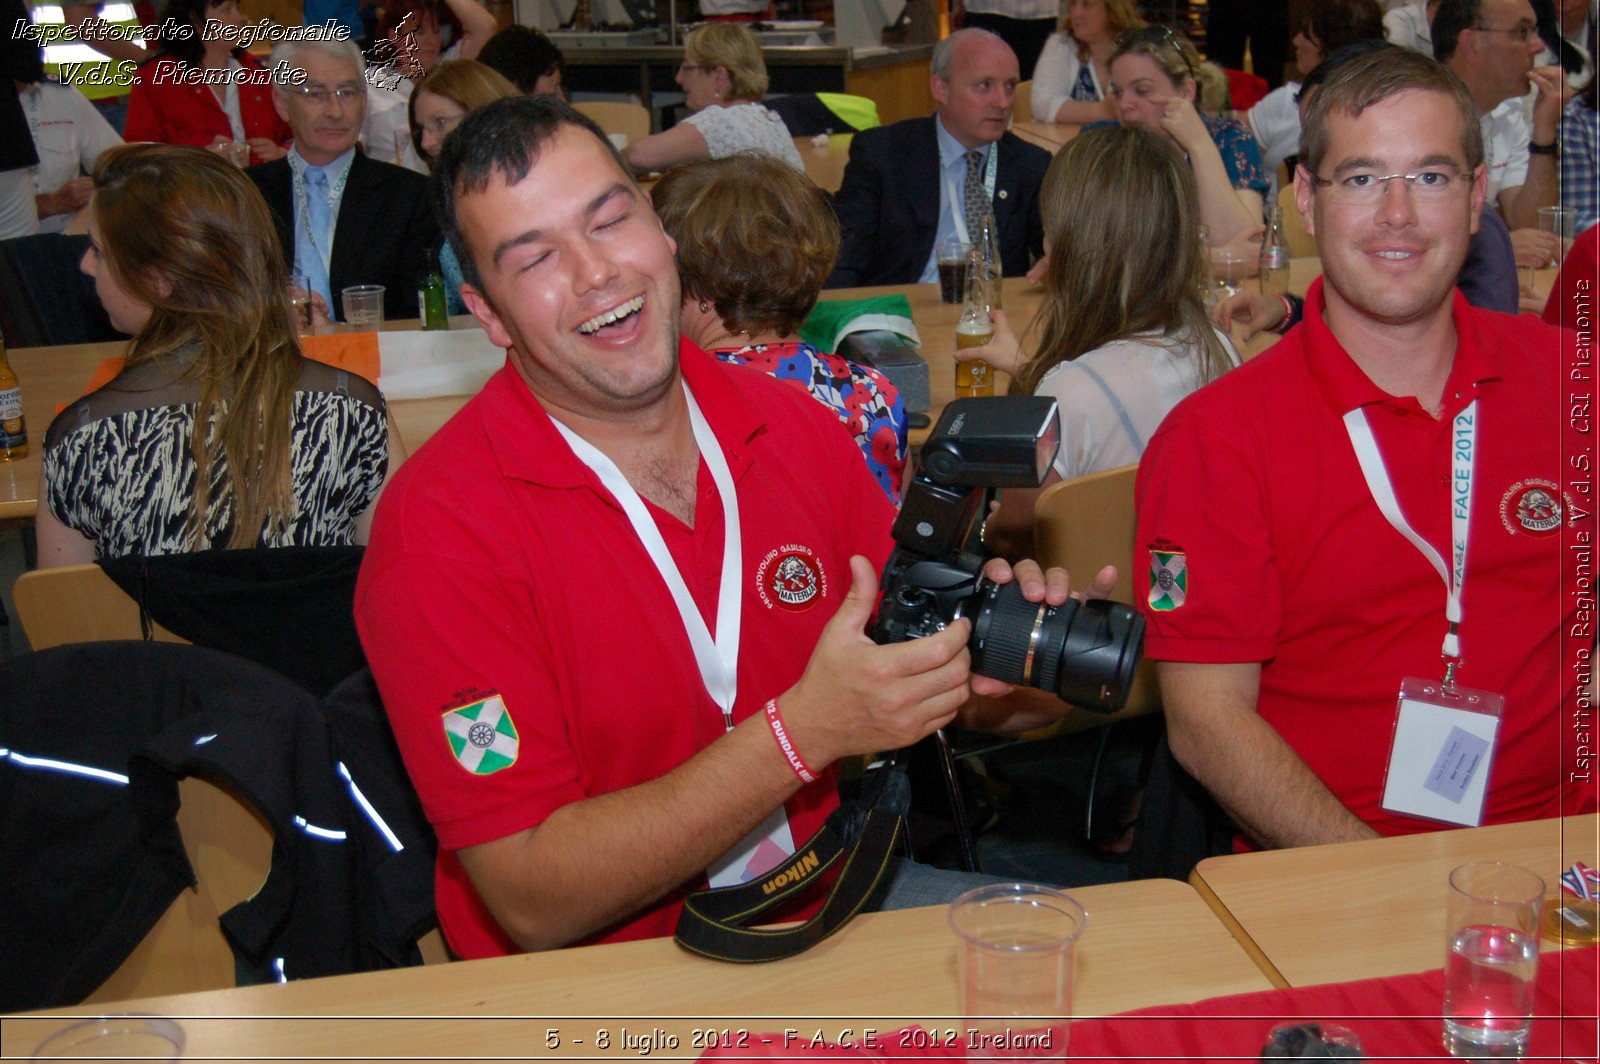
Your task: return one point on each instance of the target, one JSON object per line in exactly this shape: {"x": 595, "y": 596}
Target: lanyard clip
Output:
{"x": 1451, "y": 664}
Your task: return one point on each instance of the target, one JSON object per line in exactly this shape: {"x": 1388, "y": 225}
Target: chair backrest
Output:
{"x": 78, "y": 604}
{"x": 631, "y": 119}
{"x": 1302, "y": 245}
{"x": 838, "y": 114}
{"x": 1086, "y": 523}
{"x": 47, "y": 300}
{"x": 230, "y": 848}
{"x": 1022, "y": 102}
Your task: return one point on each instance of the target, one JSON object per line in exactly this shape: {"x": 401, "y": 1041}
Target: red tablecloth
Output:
{"x": 1395, "y": 1018}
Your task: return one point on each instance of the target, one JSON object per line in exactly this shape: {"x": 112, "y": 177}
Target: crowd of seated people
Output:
{"x": 658, "y": 403}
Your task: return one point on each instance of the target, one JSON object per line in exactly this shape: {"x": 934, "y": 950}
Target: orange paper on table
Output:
{"x": 356, "y": 352}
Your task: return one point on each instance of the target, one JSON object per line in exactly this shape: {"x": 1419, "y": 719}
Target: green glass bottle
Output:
{"x": 431, "y": 306}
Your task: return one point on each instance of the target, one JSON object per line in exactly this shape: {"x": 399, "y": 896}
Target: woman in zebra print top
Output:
{"x": 291, "y": 452}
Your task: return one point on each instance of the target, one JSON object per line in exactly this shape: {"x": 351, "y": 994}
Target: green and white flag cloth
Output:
{"x": 482, "y": 736}
{"x": 1169, "y": 580}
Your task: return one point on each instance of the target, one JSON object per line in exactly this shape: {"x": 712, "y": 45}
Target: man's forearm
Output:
{"x": 1521, "y": 205}
{"x": 1262, "y": 783}
{"x": 598, "y": 861}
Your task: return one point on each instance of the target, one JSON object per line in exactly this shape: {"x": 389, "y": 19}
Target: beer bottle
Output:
{"x": 431, "y": 305}
{"x": 1275, "y": 256}
{"x": 13, "y": 432}
{"x": 974, "y": 330}
{"x": 989, "y": 245}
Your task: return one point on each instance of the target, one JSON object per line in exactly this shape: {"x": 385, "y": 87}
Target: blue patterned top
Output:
{"x": 1580, "y": 163}
{"x": 869, "y": 406}
{"x": 450, "y": 269}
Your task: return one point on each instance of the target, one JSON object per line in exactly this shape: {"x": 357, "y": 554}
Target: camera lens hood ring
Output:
{"x": 1033, "y": 644}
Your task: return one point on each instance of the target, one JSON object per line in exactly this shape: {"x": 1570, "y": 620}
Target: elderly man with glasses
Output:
{"x": 1491, "y": 46}
{"x": 1351, "y": 550}
{"x": 344, "y": 219}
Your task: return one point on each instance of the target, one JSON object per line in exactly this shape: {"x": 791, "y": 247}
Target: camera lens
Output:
{"x": 1083, "y": 652}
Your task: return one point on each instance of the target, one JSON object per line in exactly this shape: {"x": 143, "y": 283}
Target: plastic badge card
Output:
{"x": 1442, "y": 752}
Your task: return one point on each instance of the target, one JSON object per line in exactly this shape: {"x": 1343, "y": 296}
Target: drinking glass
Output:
{"x": 1018, "y": 947}
{"x": 300, "y": 302}
{"x": 1561, "y": 221}
{"x": 952, "y": 259}
{"x": 1491, "y": 959}
{"x": 1232, "y": 269}
{"x": 363, "y": 306}
{"x": 239, "y": 153}
{"x": 108, "y": 1037}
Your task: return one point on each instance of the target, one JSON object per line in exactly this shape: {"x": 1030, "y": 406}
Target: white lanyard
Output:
{"x": 1463, "y": 452}
{"x": 302, "y": 206}
{"x": 958, "y": 206}
{"x": 718, "y": 659}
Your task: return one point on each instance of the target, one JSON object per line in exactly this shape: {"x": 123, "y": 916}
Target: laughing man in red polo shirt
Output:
{"x": 616, "y": 606}
{"x": 1288, "y": 610}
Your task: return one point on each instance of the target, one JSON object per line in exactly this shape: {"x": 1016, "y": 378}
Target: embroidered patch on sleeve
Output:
{"x": 482, "y": 736}
{"x": 1169, "y": 579}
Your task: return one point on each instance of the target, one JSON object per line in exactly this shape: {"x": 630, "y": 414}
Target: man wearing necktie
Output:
{"x": 912, "y": 185}
{"x": 344, "y": 219}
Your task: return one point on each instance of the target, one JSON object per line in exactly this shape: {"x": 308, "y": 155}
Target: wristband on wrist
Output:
{"x": 1553, "y": 148}
{"x": 1288, "y": 315}
{"x": 785, "y": 744}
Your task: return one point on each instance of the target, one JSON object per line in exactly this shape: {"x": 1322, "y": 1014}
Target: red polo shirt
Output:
{"x": 1288, "y": 562}
{"x": 500, "y": 568}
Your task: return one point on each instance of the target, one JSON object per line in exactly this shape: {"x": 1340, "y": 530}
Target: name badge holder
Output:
{"x": 771, "y": 842}
{"x": 1442, "y": 749}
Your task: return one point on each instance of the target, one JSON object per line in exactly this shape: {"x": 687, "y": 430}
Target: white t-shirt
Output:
{"x": 1275, "y": 121}
{"x": 745, "y": 127}
{"x": 1028, "y": 9}
{"x": 1506, "y": 134}
{"x": 69, "y": 134}
{"x": 1054, "y": 76}
{"x": 1407, "y": 26}
{"x": 386, "y": 130}
{"x": 1112, "y": 399}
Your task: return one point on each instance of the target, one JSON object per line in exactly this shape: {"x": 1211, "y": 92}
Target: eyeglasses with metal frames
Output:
{"x": 1433, "y": 184}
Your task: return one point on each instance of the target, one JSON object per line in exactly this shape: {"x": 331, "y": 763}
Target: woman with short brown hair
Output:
{"x": 755, "y": 242}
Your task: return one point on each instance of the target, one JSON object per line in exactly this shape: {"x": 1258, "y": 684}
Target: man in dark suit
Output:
{"x": 344, "y": 219}
{"x": 905, "y": 187}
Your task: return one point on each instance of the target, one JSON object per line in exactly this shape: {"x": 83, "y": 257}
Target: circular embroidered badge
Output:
{"x": 791, "y": 578}
{"x": 1534, "y": 506}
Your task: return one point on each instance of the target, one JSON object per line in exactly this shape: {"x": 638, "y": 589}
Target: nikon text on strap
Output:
{"x": 859, "y": 837}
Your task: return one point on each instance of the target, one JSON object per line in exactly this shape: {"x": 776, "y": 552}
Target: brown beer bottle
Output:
{"x": 13, "y": 433}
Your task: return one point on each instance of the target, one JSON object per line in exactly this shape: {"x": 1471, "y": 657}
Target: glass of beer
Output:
{"x": 976, "y": 377}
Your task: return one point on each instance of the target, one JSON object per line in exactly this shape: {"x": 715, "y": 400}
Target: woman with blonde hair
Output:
{"x": 723, "y": 78}
{"x": 216, "y": 432}
{"x": 1070, "y": 81}
{"x": 1122, "y": 334}
{"x": 440, "y": 102}
{"x": 1159, "y": 83}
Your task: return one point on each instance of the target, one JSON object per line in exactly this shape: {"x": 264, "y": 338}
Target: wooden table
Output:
{"x": 1147, "y": 943}
{"x": 1356, "y": 910}
{"x": 1051, "y": 136}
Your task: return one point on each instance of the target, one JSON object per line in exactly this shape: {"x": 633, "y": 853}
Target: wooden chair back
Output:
{"x": 1022, "y": 102}
{"x": 78, "y": 604}
{"x": 616, "y": 117}
{"x": 1302, "y": 245}
{"x": 1083, "y": 524}
{"x": 228, "y": 842}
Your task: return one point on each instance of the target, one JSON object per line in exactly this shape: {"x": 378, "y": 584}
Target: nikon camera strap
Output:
{"x": 861, "y": 833}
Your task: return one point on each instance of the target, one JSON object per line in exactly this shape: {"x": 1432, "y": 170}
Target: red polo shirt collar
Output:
{"x": 528, "y": 447}
{"x": 1345, "y": 386}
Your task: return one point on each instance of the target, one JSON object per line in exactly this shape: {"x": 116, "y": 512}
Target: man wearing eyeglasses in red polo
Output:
{"x": 1350, "y": 550}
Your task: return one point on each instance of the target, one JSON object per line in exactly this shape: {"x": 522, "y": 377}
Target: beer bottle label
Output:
{"x": 11, "y": 404}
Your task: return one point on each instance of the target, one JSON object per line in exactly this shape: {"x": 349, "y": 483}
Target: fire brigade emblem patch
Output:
{"x": 791, "y": 578}
{"x": 481, "y": 736}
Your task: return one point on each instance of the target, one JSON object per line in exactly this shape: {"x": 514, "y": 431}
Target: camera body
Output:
{"x": 1085, "y": 653}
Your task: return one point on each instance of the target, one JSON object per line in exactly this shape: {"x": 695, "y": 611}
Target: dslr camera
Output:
{"x": 1083, "y": 652}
